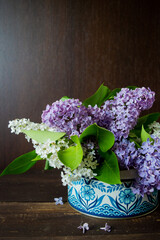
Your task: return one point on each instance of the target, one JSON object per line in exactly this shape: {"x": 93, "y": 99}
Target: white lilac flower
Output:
{"x": 54, "y": 161}
{"x": 69, "y": 176}
{"x": 85, "y": 169}
{"x": 89, "y": 159}
{"x": 19, "y": 125}
{"x": 84, "y": 227}
{"x": 49, "y": 151}
{"x": 155, "y": 128}
{"x": 106, "y": 228}
{"x": 58, "y": 201}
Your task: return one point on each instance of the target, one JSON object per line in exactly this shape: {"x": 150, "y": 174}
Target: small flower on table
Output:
{"x": 58, "y": 201}
{"x": 84, "y": 227}
{"x": 106, "y": 228}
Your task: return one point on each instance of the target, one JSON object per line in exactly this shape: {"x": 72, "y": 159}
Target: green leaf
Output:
{"x": 132, "y": 87}
{"x": 98, "y": 97}
{"x": 37, "y": 158}
{"x": 72, "y": 156}
{"x": 113, "y": 93}
{"x": 64, "y": 98}
{"x": 108, "y": 171}
{"x": 136, "y": 132}
{"x": 132, "y": 135}
{"x": 145, "y": 121}
{"x": 43, "y": 136}
{"x": 144, "y": 135}
{"x": 47, "y": 166}
{"x": 133, "y": 138}
{"x": 136, "y": 143}
{"x": 104, "y": 137}
{"x": 20, "y": 164}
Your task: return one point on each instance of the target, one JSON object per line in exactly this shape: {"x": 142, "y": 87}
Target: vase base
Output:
{"x": 114, "y": 218}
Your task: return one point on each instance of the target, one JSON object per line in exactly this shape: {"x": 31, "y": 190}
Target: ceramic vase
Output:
{"x": 99, "y": 199}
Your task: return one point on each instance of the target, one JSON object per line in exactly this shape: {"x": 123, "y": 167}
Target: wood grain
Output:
{"x": 99, "y": 237}
{"x": 35, "y": 185}
{"x": 115, "y": 237}
{"x": 47, "y": 219}
{"x": 28, "y": 211}
{"x": 51, "y": 48}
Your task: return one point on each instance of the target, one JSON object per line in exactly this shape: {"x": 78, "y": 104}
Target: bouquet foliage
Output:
{"x": 96, "y": 138}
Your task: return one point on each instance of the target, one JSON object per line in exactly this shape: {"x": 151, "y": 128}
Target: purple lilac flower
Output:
{"x": 68, "y": 116}
{"x": 84, "y": 227}
{"x": 58, "y": 201}
{"x": 126, "y": 153}
{"x": 97, "y": 115}
{"x": 125, "y": 109}
{"x": 145, "y": 98}
{"x": 106, "y": 228}
{"x": 148, "y": 167}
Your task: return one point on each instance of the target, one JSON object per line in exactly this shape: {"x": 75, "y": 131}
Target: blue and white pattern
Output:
{"x": 87, "y": 193}
{"x": 100, "y": 199}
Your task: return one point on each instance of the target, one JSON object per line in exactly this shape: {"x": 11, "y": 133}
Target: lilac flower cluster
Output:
{"x": 145, "y": 159}
{"x": 144, "y": 98}
{"x": 70, "y": 116}
{"x": 126, "y": 153}
{"x": 119, "y": 115}
{"x": 148, "y": 167}
{"x": 98, "y": 116}
{"x": 125, "y": 109}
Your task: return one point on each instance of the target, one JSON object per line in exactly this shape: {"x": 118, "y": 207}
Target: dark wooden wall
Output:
{"x": 51, "y": 48}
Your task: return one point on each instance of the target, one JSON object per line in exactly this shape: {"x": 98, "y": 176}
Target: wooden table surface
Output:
{"x": 28, "y": 211}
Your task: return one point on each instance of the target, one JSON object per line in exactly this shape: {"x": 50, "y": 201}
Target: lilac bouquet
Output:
{"x": 96, "y": 138}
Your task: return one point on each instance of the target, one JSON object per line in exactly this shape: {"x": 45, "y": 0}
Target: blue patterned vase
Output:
{"x": 99, "y": 199}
